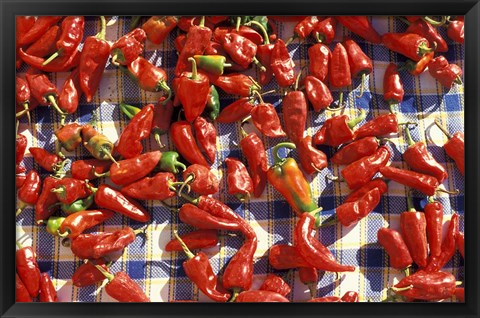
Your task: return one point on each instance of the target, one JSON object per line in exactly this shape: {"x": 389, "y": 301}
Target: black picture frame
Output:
{"x": 10, "y": 8}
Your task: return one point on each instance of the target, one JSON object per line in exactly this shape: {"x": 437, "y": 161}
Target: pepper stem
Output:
{"x": 361, "y": 86}
{"x": 158, "y": 140}
{"x": 259, "y": 96}
{"x": 409, "y": 137}
{"x": 391, "y": 107}
{"x": 312, "y": 288}
{"x": 19, "y": 245}
{"x": 185, "y": 248}
{"x": 109, "y": 155}
{"x": 435, "y": 23}
{"x": 52, "y": 57}
{"x": 277, "y": 158}
{"x": 186, "y": 183}
{"x": 320, "y": 38}
{"x": 135, "y": 21}
{"x": 410, "y": 206}
{"x": 352, "y": 123}
{"x": 235, "y": 293}
{"x": 449, "y": 136}
{"x": 290, "y": 40}
{"x": 107, "y": 275}
{"x": 53, "y": 102}
{"x": 194, "y": 68}
{"x": 58, "y": 169}
{"x": 103, "y": 30}
{"x": 298, "y": 78}
{"x": 65, "y": 234}
{"x": 398, "y": 289}
{"x": 257, "y": 63}
{"x": 406, "y": 271}
{"x": 423, "y": 48}
{"x": 266, "y": 38}
{"x": 237, "y": 24}
{"x": 456, "y": 191}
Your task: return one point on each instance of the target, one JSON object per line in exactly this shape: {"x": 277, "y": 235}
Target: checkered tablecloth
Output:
{"x": 160, "y": 273}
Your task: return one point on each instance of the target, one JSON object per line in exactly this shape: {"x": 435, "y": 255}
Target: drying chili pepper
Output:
{"x": 148, "y": 76}
{"x": 303, "y": 28}
{"x": 309, "y": 277}
{"x": 130, "y": 170}
{"x": 127, "y": 48}
{"x": 22, "y": 25}
{"x": 46, "y": 200}
{"x": 264, "y": 55}
{"x": 27, "y": 269}
{"x": 266, "y": 120}
{"x": 61, "y": 64}
{"x": 212, "y": 109}
{"x": 318, "y": 93}
{"x": 436, "y": 263}
{"x": 360, "y": 64}
{"x": 53, "y": 224}
{"x": 414, "y": 232}
{"x": 129, "y": 144}
{"x": 353, "y": 211}
{"x": 70, "y": 37}
{"x": 379, "y": 126}
{"x": 108, "y": 198}
{"x": 455, "y": 30}
{"x": 392, "y": 86}
{"x": 70, "y": 93}
{"x": 21, "y": 143}
{"x": 417, "y": 68}
{"x": 46, "y": 44}
{"x": 427, "y": 285}
{"x": 213, "y": 64}
{"x": 69, "y": 190}
{"x": 445, "y": 73}
{"x": 236, "y": 111}
{"x": 23, "y": 98}
{"x": 206, "y": 135}
{"x": 198, "y": 38}
{"x": 319, "y": 56}
{"x": 87, "y": 274}
{"x": 311, "y": 159}
{"x": 21, "y": 292}
{"x": 200, "y": 179}
{"x": 361, "y": 26}
{"x": 221, "y": 61}
{"x": 157, "y": 28}
{"x": 395, "y": 247}
{"x": 283, "y": 256}
{"x": 169, "y": 162}
{"x": 424, "y": 183}
{"x": 426, "y": 30}
{"x": 48, "y": 294}
{"x": 35, "y": 31}
{"x": 44, "y": 91}
{"x": 421, "y": 160}
{"x": 355, "y": 150}
{"x": 275, "y": 284}
{"x": 89, "y": 168}
{"x": 312, "y": 250}
{"x": 410, "y": 45}
{"x": 69, "y": 136}
{"x": 95, "y": 54}
{"x": 434, "y": 219}
{"x": 123, "y": 288}
{"x": 237, "y": 84}
{"x": 97, "y": 144}
{"x": 239, "y": 181}
{"x": 201, "y": 219}
{"x": 180, "y": 41}
{"x": 20, "y": 180}
{"x": 376, "y": 183}
{"x": 238, "y": 274}
{"x": 324, "y": 30}
{"x": 360, "y": 172}
{"x": 454, "y": 147}
{"x": 242, "y": 30}
{"x": 78, "y": 205}
{"x": 194, "y": 240}
{"x": 294, "y": 109}
{"x": 44, "y": 158}
{"x": 162, "y": 117}
{"x": 151, "y": 188}
{"x": 76, "y": 223}
{"x": 254, "y": 151}
{"x": 260, "y": 296}
{"x": 460, "y": 242}
{"x": 350, "y": 297}
{"x": 184, "y": 142}
{"x": 339, "y": 73}
{"x": 336, "y": 130}
{"x": 240, "y": 49}
{"x": 460, "y": 294}
{"x": 282, "y": 64}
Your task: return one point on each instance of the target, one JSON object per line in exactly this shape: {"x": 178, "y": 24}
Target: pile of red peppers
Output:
{"x": 217, "y": 56}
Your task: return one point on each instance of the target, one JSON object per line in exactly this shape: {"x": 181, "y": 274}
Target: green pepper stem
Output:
{"x": 290, "y": 40}
{"x": 58, "y": 169}
{"x": 437, "y": 122}
{"x": 52, "y": 57}
{"x": 237, "y": 23}
{"x": 257, "y": 63}
{"x": 410, "y": 141}
{"x": 398, "y": 289}
{"x": 129, "y": 110}
{"x": 340, "y": 99}
{"x": 256, "y": 86}
{"x": 410, "y": 206}
{"x": 65, "y": 234}
{"x": 109, "y": 155}
{"x": 456, "y": 191}
{"x": 185, "y": 248}
{"x": 107, "y": 275}
{"x": 458, "y": 80}
{"x": 391, "y": 107}
{"x": 156, "y": 135}
{"x": 259, "y": 96}
{"x": 430, "y": 199}
{"x": 352, "y": 123}
{"x": 202, "y": 21}
{"x": 194, "y": 68}
{"x": 103, "y": 30}
{"x": 458, "y": 283}
{"x": 423, "y": 48}
{"x": 276, "y": 157}
{"x": 298, "y": 78}
{"x": 19, "y": 245}
{"x": 406, "y": 271}
{"x": 266, "y": 38}
{"x": 134, "y": 22}
{"x": 186, "y": 183}
{"x": 53, "y": 102}
{"x": 435, "y": 23}
{"x": 312, "y": 288}
{"x": 235, "y": 293}
{"x": 403, "y": 20}
{"x": 361, "y": 86}
{"x": 319, "y": 37}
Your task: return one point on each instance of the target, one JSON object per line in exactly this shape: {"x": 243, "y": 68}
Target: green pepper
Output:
{"x": 54, "y": 223}
{"x": 212, "y": 108}
{"x": 79, "y": 205}
{"x": 213, "y": 64}
{"x": 287, "y": 178}
{"x": 169, "y": 162}
{"x": 129, "y": 110}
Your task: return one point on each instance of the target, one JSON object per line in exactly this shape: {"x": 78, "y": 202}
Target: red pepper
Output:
{"x": 194, "y": 240}
{"x": 76, "y": 223}
{"x": 203, "y": 220}
{"x": 41, "y": 25}
{"x": 46, "y": 44}
{"x": 266, "y": 120}
{"x": 283, "y": 256}
{"x": 127, "y": 48}
{"x": 123, "y": 288}
{"x": 426, "y": 30}
{"x": 361, "y": 26}
{"x": 47, "y": 199}
{"x": 417, "y": 68}
{"x": 95, "y": 54}
{"x": 379, "y": 126}
{"x": 336, "y": 130}
{"x": 376, "y": 183}
{"x": 436, "y": 263}
{"x": 434, "y": 218}
{"x": 325, "y": 30}
{"x": 254, "y": 151}
{"x": 445, "y": 73}
{"x": 243, "y": 30}
{"x": 61, "y": 64}
{"x": 339, "y": 69}
{"x": 239, "y": 181}
{"x": 180, "y": 41}
{"x": 392, "y": 85}
{"x": 360, "y": 172}
{"x": 27, "y": 269}
{"x": 215, "y": 48}
{"x": 260, "y": 296}
{"x": 282, "y": 64}
{"x": 94, "y": 246}
{"x": 318, "y": 93}
{"x": 186, "y": 22}
{"x": 129, "y": 144}
{"x": 304, "y": 28}
{"x": 44, "y": 158}
{"x": 23, "y": 98}
{"x": 395, "y": 247}
{"x": 236, "y": 111}
{"x": 427, "y": 286}
{"x": 20, "y": 180}
{"x": 460, "y": 242}
{"x": 294, "y": 109}
{"x": 184, "y": 142}
{"x": 21, "y": 292}
{"x": 353, "y": 211}
{"x": 151, "y": 188}
{"x": 237, "y": 84}
{"x": 157, "y": 28}
{"x": 96, "y": 143}
{"x": 355, "y": 150}
{"x": 48, "y": 294}
{"x": 414, "y": 232}
{"x": 312, "y": 250}
{"x": 275, "y": 284}
{"x": 69, "y": 190}
{"x": 130, "y": 170}
{"x": 148, "y": 76}
{"x": 421, "y": 160}
{"x": 460, "y": 294}
{"x": 44, "y": 91}
{"x": 240, "y": 49}
{"x": 87, "y": 274}
{"x": 69, "y": 137}
{"x": 311, "y": 159}
{"x": 70, "y": 93}
{"x": 206, "y": 135}
{"x": 454, "y": 147}
{"x": 264, "y": 55}
{"x": 309, "y": 277}
{"x": 70, "y": 37}
{"x": 424, "y": 183}
{"x": 109, "y": 198}
{"x": 198, "y": 38}
{"x": 89, "y": 168}
{"x": 162, "y": 117}
{"x": 216, "y": 19}
{"x": 21, "y": 143}
{"x": 455, "y": 30}
{"x": 360, "y": 64}
{"x": 22, "y": 25}
{"x": 410, "y": 45}
{"x": 200, "y": 179}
